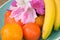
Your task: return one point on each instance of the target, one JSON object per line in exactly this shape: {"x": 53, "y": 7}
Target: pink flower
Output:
{"x": 14, "y": 3}
{"x": 38, "y": 5}
{"x": 25, "y": 14}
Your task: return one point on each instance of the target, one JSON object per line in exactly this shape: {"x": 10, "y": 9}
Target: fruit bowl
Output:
{"x": 53, "y": 36}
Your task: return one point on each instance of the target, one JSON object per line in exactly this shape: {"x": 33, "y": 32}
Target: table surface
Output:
{"x": 54, "y": 35}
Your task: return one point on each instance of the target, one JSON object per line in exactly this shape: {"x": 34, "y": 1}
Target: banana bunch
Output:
{"x": 52, "y": 17}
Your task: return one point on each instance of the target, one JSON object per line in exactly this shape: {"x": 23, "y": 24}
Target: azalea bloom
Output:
{"x": 23, "y": 11}
{"x": 38, "y": 5}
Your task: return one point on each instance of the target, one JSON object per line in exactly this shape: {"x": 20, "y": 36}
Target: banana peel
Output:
{"x": 57, "y": 19}
{"x": 49, "y": 18}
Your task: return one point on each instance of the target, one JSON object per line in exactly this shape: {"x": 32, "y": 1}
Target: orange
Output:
{"x": 40, "y": 20}
{"x": 8, "y": 20}
{"x": 11, "y": 32}
{"x": 31, "y": 31}
{"x": 34, "y": 39}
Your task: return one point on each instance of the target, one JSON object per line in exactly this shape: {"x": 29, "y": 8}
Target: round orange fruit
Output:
{"x": 11, "y": 32}
{"x": 40, "y": 20}
{"x": 8, "y": 20}
{"x": 32, "y": 39}
{"x": 31, "y": 31}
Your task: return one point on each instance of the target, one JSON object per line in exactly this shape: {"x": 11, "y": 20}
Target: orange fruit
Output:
{"x": 34, "y": 39}
{"x": 8, "y": 20}
{"x": 40, "y": 20}
{"x": 11, "y": 32}
{"x": 31, "y": 31}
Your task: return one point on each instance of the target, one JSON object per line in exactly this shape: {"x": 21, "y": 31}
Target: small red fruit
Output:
{"x": 31, "y": 31}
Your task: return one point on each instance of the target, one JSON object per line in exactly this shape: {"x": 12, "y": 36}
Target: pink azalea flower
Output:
{"x": 25, "y": 14}
{"x": 38, "y": 5}
{"x": 14, "y": 3}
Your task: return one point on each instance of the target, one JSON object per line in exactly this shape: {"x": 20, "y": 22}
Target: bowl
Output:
{"x": 53, "y": 36}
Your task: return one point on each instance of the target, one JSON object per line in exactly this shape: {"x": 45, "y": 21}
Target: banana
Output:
{"x": 49, "y": 18}
{"x": 57, "y": 19}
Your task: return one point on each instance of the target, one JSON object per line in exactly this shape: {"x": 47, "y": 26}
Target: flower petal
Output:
{"x": 14, "y": 3}
{"x": 29, "y": 16}
{"x": 38, "y": 5}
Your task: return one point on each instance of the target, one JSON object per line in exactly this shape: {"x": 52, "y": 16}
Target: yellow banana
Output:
{"x": 49, "y": 18}
{"x": 57, "y": 19}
